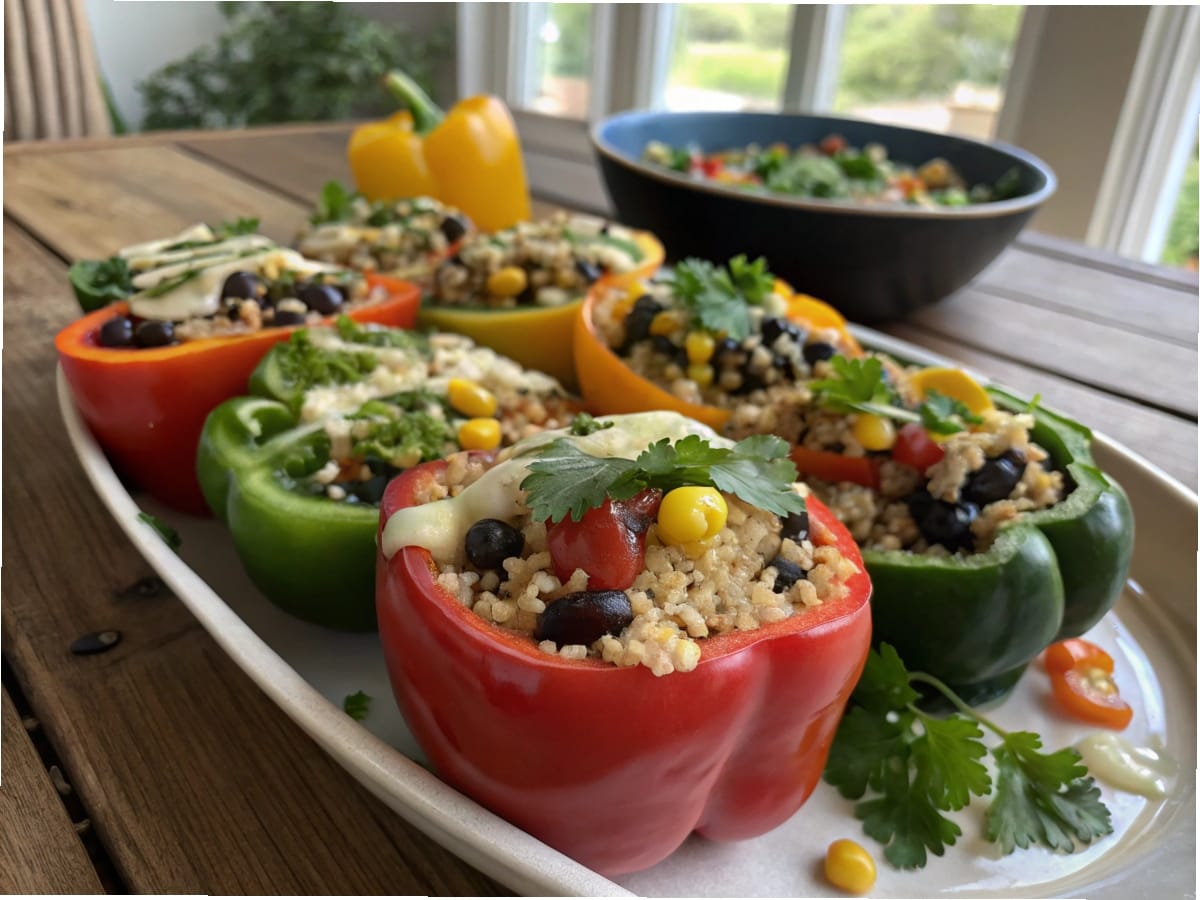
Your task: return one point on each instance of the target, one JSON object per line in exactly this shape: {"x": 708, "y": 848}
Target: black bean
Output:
{"x": 490, "y": 542}
{"x": 152, "y": 333}
{"x": 288, "y": 317}
{"x": 584, "y": 617}
{"x": 939, "y": 522}
{"x": 637, "y": 323}
{"x": 242, "y": 286}
{"x": 588, "y": 271}
{"x": 664, "y": 345}
{"x": 788, "y": 573}
{"x": 817, "y": 351}
{"x": 751, "y": 381}
{"x": 322, "y": 298}
{"x": 996, "y": 479}
{"x": 454, "y": 227}
{"x": 775, "y": 326}
{"x": 117, "y": 332}
{"x": 371, "y": 490}
{"x": 724, "y": 347}
{"x": 795, "y": 526}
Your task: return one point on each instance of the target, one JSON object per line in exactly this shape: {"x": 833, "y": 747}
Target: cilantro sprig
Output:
{"x": 918, "y": 766}
{"x": 565, "y": 480}
{"x": 718, "y": 297}
{"x": 859, "y": 385}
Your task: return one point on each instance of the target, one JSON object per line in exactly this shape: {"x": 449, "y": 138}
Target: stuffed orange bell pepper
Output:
{"x": 145, "y": 372}
{"x": 469, "y": 157}
{"x": 713, "y": 333}
{"x": 591, "y": 718}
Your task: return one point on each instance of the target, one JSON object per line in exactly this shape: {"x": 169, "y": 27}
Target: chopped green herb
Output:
{"x": 718, "y": 297}
{"x": 920, "y": 766}
{"x": 945, "y": 415}
{"x": 357, "y": 705}
{"x": 399, "y": 437}
{"x": 169, "y": 535}
{"x": 584, "y": 424}
{"x": 379, "y": 336}
{"x": 240, "y": 225}
{"x": 565, "y": 480}
{"x": 334, "y": 204}
{"x": 98, "y": 282}
{"x": 858, "y": 385}
{"x": 302, "y": 365}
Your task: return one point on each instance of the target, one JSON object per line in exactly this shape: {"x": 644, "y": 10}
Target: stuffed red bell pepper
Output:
{"x": 619, "y": 633}
{"x": 202, "y": 308}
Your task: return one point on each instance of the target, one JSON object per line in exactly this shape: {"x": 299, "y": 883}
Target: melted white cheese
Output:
{"x": 199, "y": 232}
{"x": 1125, "y": 766}
{"x": 201, "y": 294}
{"x": 440, "y": 527}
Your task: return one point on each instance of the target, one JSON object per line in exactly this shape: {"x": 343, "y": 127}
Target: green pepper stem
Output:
{"x": 957, "y": 702}
{"x": 426, "y": 114}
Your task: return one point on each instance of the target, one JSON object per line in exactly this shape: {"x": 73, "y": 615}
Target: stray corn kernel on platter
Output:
{"x": 633, "y": 575}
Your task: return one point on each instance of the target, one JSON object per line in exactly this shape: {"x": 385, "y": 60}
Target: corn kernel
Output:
{"x": 507, "y": 282}
{"x": 702, "y": 375}
{"x": 691, "y": 514}
{"x": 873, "y": 432}
{"x": 700, "y": 346}
{"x": 622, "y": 307}
{"x": 665, "y": 323}
{"x": 849, "y": 867}
{"x": 479, "y": 434}
{"x": 635, "y": 289}
{"x": 470, "y": 398}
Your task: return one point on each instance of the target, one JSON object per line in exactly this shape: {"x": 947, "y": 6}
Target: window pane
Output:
{"x": 1183, "y": 243}
{"x": 561, "y": 58}
{"x": 936, "y": 67}
{"x": 728, "y": 56}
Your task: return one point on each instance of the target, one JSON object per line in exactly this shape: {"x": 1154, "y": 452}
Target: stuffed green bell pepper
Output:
{"x": 986, "y": 527}
{"x": 297, "y": 469}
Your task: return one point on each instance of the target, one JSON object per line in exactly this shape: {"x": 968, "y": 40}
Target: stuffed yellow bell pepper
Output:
{"x": 469, "y": 157}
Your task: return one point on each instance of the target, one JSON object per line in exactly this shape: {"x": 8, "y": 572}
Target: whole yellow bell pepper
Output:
{"x": 469, "y": 158}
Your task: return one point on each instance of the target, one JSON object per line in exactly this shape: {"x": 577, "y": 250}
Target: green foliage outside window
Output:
{"x": 287, "y": 62}
{"x": 1183, "y": 236}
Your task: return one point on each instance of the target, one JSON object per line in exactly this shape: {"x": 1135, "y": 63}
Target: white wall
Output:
{"x": 134, "y": 38}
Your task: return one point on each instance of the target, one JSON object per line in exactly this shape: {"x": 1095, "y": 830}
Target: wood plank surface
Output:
{"x": 195, "y": 781}
{"x": 40, "y": 852}
{"x": 1138, "y": 367}
{"x": 88, "y": 204}
{"x": 1167, "y": 441}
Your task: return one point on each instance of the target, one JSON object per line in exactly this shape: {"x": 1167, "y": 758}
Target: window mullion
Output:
{"x": 1139, "y": 167}
{"x": 653, "y": 56}
{"x": 813, "y": 54}
{"x": 604, "y": 60}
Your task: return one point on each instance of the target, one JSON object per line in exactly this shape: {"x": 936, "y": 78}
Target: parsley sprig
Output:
{"x": 919, "y": 766}
{"x": 565, "y": 480}
{"x": 859, "y": 385}
{"x": 718, "y": 297}
{"x": 357, "y": 705}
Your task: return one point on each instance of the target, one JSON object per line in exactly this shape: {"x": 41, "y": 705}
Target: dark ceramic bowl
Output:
{"x": 874, "y": 263}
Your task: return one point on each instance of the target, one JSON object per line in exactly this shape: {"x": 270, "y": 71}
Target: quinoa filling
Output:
{"x": 547, "y": 263}
{"x": 399, "y": 237}
{"x": 518, "y": 571}
{"x": 386, "y": 400}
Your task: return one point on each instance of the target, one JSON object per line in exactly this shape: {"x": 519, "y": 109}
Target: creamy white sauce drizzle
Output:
{"x": 1127, "y": 767}
{"x": 441, "y": 526}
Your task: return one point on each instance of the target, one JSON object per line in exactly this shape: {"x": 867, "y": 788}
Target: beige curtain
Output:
{"x": 51, "y": 82}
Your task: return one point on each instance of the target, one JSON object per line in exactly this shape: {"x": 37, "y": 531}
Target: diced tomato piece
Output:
{"x": 609, "y": 542}
{"x": 835, "y": 467}
{"x": 832, "y": 144}
{"x": 916, "y": 447}
{"x": 711, "y": 166}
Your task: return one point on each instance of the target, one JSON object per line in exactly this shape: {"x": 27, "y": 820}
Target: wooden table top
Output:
{"x": 159, "y": 767}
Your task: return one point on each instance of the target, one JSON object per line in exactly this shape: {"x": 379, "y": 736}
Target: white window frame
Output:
{"x": 631, "y": 45}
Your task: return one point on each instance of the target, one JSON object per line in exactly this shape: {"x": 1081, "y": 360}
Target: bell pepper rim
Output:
{"x": 79, "y": 338}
